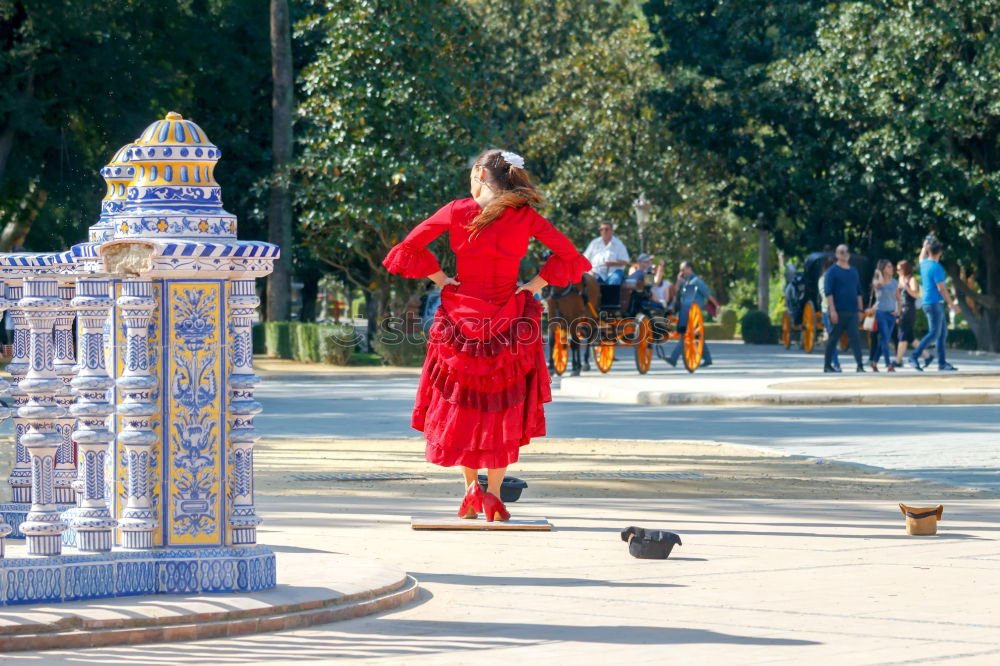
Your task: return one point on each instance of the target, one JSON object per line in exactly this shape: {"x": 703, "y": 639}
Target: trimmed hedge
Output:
{"x": 259, "y": 345}
{"x": 724, "y": 328}
{"x": 398, "y": 349}
{"x": 278, "y": 338}
{"x": 336, "y": 343}
{"x": 756, "y": 329}
{"x": 305, "y": 342}
{"x": 728, "y": 321}
{"x": 308, "y": 342}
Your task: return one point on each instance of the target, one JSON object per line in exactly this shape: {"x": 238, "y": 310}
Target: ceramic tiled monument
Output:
{"x": 164, "y": 486}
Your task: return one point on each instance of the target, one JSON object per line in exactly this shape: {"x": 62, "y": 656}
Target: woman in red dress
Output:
{"x": 485, "y": 378}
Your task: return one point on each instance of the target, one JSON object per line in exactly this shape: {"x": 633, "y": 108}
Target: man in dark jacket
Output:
{"x": 843, "y": 294}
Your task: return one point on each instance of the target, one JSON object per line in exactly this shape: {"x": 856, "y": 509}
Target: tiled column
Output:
{"x": 65, "y": 367}
{"x": 92, "y": 521}
{"x": 43, "y": 526}
{"x": 135, "y": 407}
{"x": 5, "y": 529}
{"x": 20, "y": 476}
{"x": 243, "y": 518}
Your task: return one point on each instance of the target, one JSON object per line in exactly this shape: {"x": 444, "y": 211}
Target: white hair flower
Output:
{"x": 512, "y": 159}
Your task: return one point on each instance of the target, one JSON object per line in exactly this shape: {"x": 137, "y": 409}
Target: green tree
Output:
{"x": 83, "y": 77}
{"x": 520, "y": 39}
{"x": 391, "y": 112}
{"x": 917, "y": 87}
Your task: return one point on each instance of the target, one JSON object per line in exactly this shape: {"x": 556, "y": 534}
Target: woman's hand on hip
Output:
{"x": 442, "y": 280}
{"x": 535, "y": 285}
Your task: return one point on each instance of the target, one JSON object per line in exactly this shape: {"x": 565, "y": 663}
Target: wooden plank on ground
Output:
{"x": 440, "y": 521}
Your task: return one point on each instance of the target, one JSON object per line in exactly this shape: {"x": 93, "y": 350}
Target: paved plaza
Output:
{"x": 755, "y": 582}
{"x": 785, "y": 559}
{"x": 948, "y": 443}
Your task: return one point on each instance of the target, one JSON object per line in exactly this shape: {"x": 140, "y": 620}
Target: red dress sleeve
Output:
{"x": 566, "y": 265}
{"x": 411, "y": 258}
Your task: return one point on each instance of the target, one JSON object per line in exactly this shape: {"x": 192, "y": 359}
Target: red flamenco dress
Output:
{"x": 485, "y": 379}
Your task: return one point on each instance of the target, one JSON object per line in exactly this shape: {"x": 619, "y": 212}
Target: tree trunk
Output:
{"x": 7, "y": 136}
{"x": 279, "y": 218}
{"x": 17, "y": 227}
{"x": 763, "y": 271}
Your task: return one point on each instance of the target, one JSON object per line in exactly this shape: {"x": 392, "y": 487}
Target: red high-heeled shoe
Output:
{"x": 472, "y": 503}
{"x": 494, "y": 508}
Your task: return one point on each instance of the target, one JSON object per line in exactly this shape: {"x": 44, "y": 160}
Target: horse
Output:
{"x": 574, "y": 307}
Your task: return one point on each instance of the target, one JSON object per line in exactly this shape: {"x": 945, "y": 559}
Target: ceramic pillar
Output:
{"x": 135, "y": 406}
{"x": 243, "y": 520}
{"x": 5, "y": 529}
{"x": 43, "y": 526}
{"x": 65, "y": 368}
{"x": 92, "y": 521}
{"x": 20, "y": 476}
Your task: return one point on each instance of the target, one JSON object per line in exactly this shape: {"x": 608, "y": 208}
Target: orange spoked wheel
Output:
{"x": 560, "y": 347}
{"x": 644, "y": 345}
{"x": 786, "y": 330}
{"x": 808, "y": 327}
{"x": 694, "y": 338}
{"x": 604, "y": 355}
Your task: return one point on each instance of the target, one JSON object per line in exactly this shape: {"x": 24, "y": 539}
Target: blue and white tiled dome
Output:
{"x": 173, "y": 193}
{"x": 117, "y": 174}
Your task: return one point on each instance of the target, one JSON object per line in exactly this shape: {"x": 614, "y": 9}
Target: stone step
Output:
{"x": 358, "y": 588}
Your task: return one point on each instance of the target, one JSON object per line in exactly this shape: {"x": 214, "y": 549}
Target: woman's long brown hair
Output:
{"x": 513, "y": 188}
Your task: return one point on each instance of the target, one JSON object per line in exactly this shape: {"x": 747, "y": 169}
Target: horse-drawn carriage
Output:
{"x": 604, "y": 317}
{"x": 803, "y": 310}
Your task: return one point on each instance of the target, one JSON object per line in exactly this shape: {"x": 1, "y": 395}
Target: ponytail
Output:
{"x": 512, "y": 185}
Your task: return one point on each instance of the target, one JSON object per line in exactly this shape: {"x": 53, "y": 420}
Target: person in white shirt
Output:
{"x": 608, "y": 256}
{"x": 662, "y": 288}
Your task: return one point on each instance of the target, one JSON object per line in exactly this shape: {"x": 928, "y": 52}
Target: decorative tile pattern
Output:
{"x": 154, "y": 464}
{"x": 25, "y": 585}
{"x": 88, "y": 581}
{"x": 137, "y": 577}
{"x": 195, "y": 409}
{"x": 128, "y": 573}
{"x": 183, "y": 422}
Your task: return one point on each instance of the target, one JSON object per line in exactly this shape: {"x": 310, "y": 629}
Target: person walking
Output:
{"x": 844, "y": 299}
{"x": 909, "y": 293}
{"x": 691, "y": 289}
{"x": 887, "y": 307}
{"x": 484, "y": 380}
{"x": 607, "y": 255}
{"x": 935, "y": 297}
{"x": 825, "y": 310}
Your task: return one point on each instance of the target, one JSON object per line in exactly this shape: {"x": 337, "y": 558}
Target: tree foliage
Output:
{"x": 917, "y": 88}
{"x": 83, "y": 77}
{"x": 595, "y": 130}
{"x": 391, "y": 112}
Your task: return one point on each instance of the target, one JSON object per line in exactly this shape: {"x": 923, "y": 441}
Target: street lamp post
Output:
{"x": 642, "y": 206}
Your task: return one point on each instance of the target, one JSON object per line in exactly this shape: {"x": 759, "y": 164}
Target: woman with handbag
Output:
{"x": 886, "y": 309}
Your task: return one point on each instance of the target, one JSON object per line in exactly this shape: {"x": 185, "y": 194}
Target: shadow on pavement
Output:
{"x": 468, "y": 579}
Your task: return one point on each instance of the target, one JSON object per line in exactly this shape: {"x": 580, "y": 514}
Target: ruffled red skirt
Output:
{"x": 484, "y": 381}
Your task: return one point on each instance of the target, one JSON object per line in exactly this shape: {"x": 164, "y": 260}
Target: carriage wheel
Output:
{"x": 786, "y": 330}
{"x": 604, "y": 355}
{"x": 644, "y": 345}
{"x": 560, "y": 347}
{"x": 694, "y": 338}
{"x": 808, "y": 327}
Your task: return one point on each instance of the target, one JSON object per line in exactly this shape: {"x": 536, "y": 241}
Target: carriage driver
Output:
{"x": 608, "y": 256}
